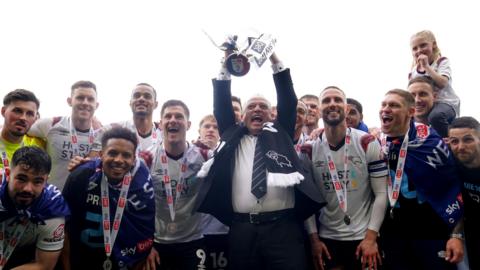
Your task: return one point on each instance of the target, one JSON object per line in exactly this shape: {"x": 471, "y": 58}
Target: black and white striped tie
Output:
{"x": 259, "y": 174}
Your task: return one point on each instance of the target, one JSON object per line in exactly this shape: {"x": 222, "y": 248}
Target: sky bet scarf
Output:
{"x": 49, "y": 205}
{"x": 138, "y": 221}
{"x": 430, "y": 166}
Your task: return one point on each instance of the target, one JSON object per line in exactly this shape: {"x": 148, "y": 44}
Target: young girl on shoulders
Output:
{"x": 428, "y": 61}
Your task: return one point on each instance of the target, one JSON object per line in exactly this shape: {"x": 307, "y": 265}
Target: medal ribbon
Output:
{"x": 332, "y": 168}
{"x": 12, "y": 243}
{"x": 109, "y": 232}
{"x": 301, "y": 141}
{"x": 74, "y": 138}
{"x": 155, "y": 136}
{"x": 167, "y": 183}
{"x": 394, "y": 189}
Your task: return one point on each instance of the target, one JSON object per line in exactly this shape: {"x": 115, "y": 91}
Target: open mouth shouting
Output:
{"x": 173, "y": 130}
{"x": 258, "y": 119}
{"x": 387, "y": 121}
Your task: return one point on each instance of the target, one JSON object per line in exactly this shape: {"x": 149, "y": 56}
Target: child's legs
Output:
{"x": 440, "y": 117}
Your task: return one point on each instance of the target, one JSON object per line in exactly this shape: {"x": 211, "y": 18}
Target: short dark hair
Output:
{"x": 465, "y": 122}
{"x": 407, "y": 96}
{"x": 309, "y": 96}
{"x": 355, "y": 103}
{"x": 83, "y": 84}
{"x": 148, "y": 85}
{"x": 119, "y": 133}
{"x": 237, "y": 99}
{"x": 20, "y": 95}
{"x": 34, "y": 158}
{"x": 333, "y": 87}
{"x": 175, "y": 102}
{"x": 424, "y": 79}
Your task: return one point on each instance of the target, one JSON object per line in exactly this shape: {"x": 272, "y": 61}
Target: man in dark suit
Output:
{"x": 256, "y": 183}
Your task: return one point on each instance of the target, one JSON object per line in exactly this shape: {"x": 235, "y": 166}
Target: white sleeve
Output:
{"x": 444, "y": 69}
{"x": 377, "y": 169}
{"x": 223, "y": 75}
{"x": 278, "y": 67}
{"x": 97, "y": 141}
{"x": 41, "y": 127}
{"x": 50, "y": 236}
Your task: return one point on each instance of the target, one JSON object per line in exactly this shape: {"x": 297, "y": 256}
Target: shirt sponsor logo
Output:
{"x": 453, "y": 207}
{"x": 57, "y": 234}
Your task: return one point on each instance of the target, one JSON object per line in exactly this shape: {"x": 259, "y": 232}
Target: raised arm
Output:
{"x": 222, "y": 104}
{"x": 286, "y": 98}
{"x": 222, "y": 99}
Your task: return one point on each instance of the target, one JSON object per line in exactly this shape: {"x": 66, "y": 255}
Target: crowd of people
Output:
{"x": 303, "y": 184}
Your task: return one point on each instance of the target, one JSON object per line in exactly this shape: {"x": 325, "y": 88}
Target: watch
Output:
{"x": 457, "y": 235}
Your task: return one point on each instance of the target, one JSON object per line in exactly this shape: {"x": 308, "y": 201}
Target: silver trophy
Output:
{"x": 255, "y": 50}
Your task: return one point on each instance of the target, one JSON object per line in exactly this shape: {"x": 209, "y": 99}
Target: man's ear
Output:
{"x": 69, "y": 101}
{"x": 7, "y": 174}
{"x": 411, "y": 111}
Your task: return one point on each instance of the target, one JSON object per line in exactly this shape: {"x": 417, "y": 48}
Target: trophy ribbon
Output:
{"x": 261, "y": 48}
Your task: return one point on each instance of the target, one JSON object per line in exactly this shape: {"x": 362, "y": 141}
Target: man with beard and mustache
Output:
{"x": 32, "y": 213}
{"x": 69, "y": 136}
{"x": 178, "y": 242}
{"x": 113, "y": 208}
{"x": 422, "y": 226}
{"x": 349, "y": 168}
{"x": 19, "y": 111}
{"x": 464, "y": 140}
{"x": 255, "y": 183}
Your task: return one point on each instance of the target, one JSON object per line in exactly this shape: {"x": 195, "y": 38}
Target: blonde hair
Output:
{"x": 208, "y": 117}
{"x": 429, "y": 36}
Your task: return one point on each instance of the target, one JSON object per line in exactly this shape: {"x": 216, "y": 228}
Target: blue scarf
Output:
{"x": 49, "y": 205}
{"x": 431, "y": 168}
{"x": 362, "y": 126}
{"x": 137, "y": 226}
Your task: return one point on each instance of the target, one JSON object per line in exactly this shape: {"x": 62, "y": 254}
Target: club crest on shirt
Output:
{"x": 269, "y": 126}
{"x": 281, "y": 160}
{"x": 422, "y": 131}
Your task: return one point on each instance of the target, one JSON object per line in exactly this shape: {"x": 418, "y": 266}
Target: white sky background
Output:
{"x": 360, "y": 46}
